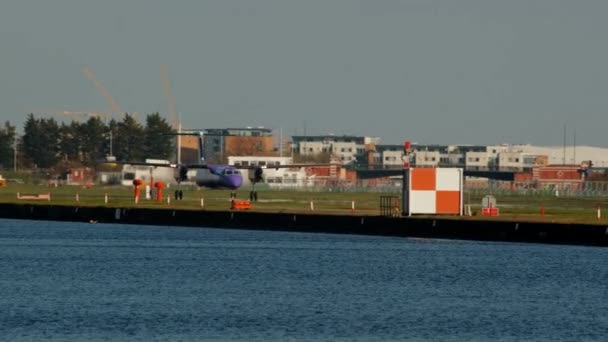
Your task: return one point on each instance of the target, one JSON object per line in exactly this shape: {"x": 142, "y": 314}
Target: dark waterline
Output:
{"x": 95, "y": 281}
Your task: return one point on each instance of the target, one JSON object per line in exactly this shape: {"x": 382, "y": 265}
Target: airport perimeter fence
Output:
{"x": 589, "y": 189}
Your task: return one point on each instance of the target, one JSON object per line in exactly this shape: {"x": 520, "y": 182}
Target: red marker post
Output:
{"x": 406, "y": 154}
{"x": 159, "y": 191}
{"x": 137, "y": 191}
{"x": 542, "y": 210}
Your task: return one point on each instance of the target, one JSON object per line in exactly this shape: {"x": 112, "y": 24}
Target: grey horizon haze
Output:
{"x": 444, "y": 71}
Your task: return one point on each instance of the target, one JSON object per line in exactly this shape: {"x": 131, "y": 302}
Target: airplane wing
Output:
{"x": 282, "y": 166}
{"x": 173, "y": 165}
{"x": 157, "y": 164}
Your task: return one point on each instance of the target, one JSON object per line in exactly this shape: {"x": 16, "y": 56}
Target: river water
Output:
{"x": 80, "y": 281}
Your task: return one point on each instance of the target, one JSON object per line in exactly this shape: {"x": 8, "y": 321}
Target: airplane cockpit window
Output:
{"x": 228, "y": 172}
{"x": 237, "y": 172}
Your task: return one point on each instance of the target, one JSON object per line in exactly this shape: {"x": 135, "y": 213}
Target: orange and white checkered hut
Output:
{"x": 435, "y": 191}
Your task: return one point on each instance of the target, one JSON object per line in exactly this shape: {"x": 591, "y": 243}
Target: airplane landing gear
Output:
{"x": 253, "y": 196}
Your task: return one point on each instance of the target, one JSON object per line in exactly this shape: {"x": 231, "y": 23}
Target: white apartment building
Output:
{"x": 477, "y": 160}
{"x": 556, "y": 155}
{"x": 347, "y": 149}
{"x": 312, "y": 147}
{"x": 427, "y": 158}
{"x": 516, "y": 160}
{"x": 571, "y": 155}
{"x": 347, "y": 152}
{"x": 392, "y": 158}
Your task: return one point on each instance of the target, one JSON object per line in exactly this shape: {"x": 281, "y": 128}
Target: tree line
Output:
{"x": 47, "y": 144}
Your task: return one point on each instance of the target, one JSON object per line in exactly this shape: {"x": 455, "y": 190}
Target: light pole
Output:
{"x": 15, "y": 155}
{"x": 111, "y": 152}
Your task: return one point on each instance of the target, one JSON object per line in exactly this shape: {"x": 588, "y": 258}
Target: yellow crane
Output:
{"x": 114, "y": 107}
{"x": 171, "y": 114}
{"x": 85, "y": 115}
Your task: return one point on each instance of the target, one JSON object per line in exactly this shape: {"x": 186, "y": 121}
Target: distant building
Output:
{"x": 558, "y": 177}
{"x": 348, "y": 149}
{"x": 426, "y": 158}
{"x": 386, "y": 156}
{"x": 220, "y": 143}
{"x": 80, "y": 176}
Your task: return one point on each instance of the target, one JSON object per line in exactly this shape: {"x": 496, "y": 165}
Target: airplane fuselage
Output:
{"x": 219, "y": 176}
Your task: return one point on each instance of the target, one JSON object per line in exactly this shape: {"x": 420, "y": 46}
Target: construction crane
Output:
{"x": 86, "y": 115}
{"x": 171, "y": 114}
{"x": 114, "y": 107}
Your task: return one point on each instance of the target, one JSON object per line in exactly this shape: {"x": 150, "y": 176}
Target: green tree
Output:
{"x": 41, "y": 141}
{"x": 7, "y": 145}
{"x": 158, "y": 142}
{"x": 94, "y": 139}
{"x": 70, "y": 141}
{"x": 129, "y": 140}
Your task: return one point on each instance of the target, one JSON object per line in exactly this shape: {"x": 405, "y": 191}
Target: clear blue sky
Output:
{"x": 443, "y": 71}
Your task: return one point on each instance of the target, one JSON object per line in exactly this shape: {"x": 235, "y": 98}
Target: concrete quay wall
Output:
{"x": 416, "y": 227}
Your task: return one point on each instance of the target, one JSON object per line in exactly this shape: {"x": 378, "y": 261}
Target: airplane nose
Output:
{"x": 235, "y": 181}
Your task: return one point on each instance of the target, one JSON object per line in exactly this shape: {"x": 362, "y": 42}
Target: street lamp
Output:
{"x": 15, "y": 155}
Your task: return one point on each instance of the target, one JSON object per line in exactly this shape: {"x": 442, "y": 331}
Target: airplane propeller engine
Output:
{"x": 181, "y": 173}
{"x": 256, "y": 175}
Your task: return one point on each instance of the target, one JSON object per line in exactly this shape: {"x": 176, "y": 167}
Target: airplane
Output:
{"x": 216, "y": 176}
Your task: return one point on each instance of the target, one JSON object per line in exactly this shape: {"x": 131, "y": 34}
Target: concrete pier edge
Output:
{"x": 414, "y": 227}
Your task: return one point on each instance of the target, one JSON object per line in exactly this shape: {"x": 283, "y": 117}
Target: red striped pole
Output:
{"x": 542, "y": 210}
